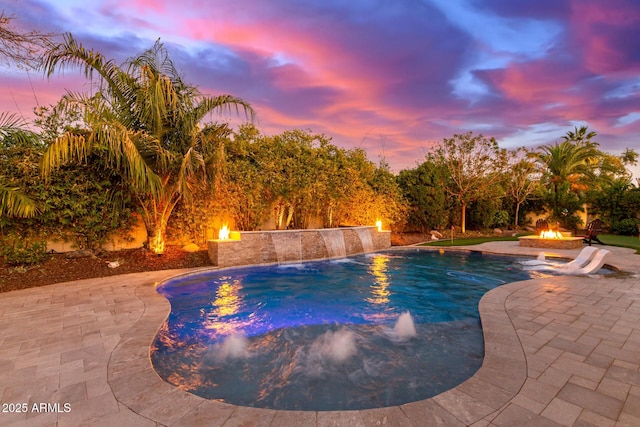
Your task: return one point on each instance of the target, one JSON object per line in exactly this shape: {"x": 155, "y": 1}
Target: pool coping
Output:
{"x": 479, "y": 399}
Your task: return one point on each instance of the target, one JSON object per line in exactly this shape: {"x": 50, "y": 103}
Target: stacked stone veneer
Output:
{"x": 286, "y": 246}
{"x": 537, "y": 242}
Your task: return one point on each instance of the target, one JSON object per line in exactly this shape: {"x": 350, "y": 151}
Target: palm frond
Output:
{"x": 121, "y": 150}
{"x": 71, "y": 53}
{"x": 67, "y": 148}
{"x": 13, "y": 130}
{"x": 224, "y": 103}
{"x": 191, "y": 162}
{"x": 15, "y": 203}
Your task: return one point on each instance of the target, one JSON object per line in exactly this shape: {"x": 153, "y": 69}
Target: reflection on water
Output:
{"x": 227, "y": 303}
{"x": 227, "y": 300}
{"x": 380, "y": 287}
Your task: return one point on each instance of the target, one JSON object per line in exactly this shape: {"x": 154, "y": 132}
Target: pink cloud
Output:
{"x": 22, "y": 95}
{"x": 607, "y": 35}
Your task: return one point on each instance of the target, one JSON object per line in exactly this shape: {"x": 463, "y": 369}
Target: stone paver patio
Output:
{"x": 559, "y": 351}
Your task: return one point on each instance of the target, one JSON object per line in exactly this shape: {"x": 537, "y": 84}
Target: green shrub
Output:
{"x": 501, "y": 219}
{"x": 627, "y": 227}
{"x": 17, "y": 252}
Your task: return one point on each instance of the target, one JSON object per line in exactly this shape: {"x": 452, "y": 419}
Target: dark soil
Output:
{"x": 403, "y": 239}
{"x": 59, "y": 268}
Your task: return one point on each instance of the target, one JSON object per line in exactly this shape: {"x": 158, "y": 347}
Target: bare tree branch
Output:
{"x": 23, "y": 49}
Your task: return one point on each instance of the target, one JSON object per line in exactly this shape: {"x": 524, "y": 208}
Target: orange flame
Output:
{"x": 223, "y": 234}
{"x": 550, "y": 234}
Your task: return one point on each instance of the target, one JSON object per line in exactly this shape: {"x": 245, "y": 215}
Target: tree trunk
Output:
{"x": 156, "y": 240}
{"x": 156, "y": 213}
{"x": 463, "y": 218}
{"x": 279, "y": 215}
{"x": 517, "y": 213}
{"x": 289, "y": 217}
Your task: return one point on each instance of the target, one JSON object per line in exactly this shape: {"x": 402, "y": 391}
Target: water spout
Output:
{"x": 405, "y": 328}
{"x": 232, "y": 347}
{"x": 337, "y": 346}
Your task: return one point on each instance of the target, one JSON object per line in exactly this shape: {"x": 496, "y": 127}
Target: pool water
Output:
{"x": 327, "y": 335}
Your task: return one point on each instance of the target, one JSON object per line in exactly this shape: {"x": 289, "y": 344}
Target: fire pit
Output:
{"x": 549, "y": 239}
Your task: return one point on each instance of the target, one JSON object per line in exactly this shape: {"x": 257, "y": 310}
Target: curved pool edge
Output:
{"x": 136, "y": 385}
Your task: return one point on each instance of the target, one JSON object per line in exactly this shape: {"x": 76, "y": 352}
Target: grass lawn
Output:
{"x": 470, "y": 241}
{"x": 632, "y": 242}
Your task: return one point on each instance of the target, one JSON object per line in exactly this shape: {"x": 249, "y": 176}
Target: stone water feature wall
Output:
{"x": 288, "y": 246}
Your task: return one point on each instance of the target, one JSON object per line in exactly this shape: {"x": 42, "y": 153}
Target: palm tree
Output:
{"x": 571, "y": 165}
{"x": 14, "y": 202}
{"x": 144, "y": 121}
{"x": 580, "y": 136}
{"x": 569, "y": 162}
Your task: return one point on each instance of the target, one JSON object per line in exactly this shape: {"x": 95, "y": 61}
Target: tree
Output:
{"x": 423, "y": 188}
{"x": 143, "y": 121}
{"x": 474, "y": 165}
{"x": 523, "y": 178}
{"x": 300, "y": 178}
{"x": 243, "y": 184}
{"x": 572, "y": 167}
{"x": 389, "y": 205}
{"x": 568, "y": 167}
{"x": 22, "y": 48}
{"x": 608, "y": 202}
{"x": 629, "y": 157}
{"x": 580, "y": 136}
{"x": 293, "y": 176}
{"x": 569, "y": 162}
{"x": 14, "y": 202}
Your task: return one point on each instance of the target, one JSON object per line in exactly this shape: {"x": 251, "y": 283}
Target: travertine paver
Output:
{"x": 559, "y": 351}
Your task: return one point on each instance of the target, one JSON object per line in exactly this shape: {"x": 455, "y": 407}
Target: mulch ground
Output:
{"x": 59, "y": 268}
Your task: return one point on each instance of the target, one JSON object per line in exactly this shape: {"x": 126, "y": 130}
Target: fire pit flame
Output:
{"x": 550, "y": 234}
{"x": 550, "y": 239}
{"x": 223, "y": 233}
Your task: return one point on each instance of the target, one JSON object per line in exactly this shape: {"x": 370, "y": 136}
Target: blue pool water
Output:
{"x": 325, "y": 335}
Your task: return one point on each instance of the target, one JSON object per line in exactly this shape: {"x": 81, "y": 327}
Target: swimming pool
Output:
{"x": 360, "y": 332}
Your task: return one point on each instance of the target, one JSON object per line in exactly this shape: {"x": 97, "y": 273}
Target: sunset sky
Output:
{"x": 391, "y": 77}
